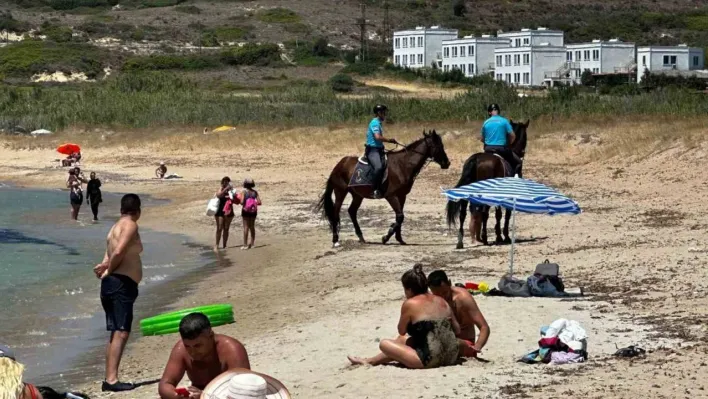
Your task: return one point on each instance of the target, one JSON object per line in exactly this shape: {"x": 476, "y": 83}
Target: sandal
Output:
{"x": 630, "y": 351}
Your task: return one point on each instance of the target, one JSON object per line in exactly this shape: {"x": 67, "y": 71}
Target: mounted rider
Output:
{"x": 375, "y": 148}
{"x": 498, "y": 135}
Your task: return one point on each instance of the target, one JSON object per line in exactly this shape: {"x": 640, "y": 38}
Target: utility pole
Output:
{"x": 386, "y": 24}
{"x": 362, "y": 32}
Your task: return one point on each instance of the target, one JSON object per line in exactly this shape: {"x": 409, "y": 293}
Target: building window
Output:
{"x": 470, "y": 50}
{"x": 405, "y": 42}
{"x": 586, "y": 55}
{"x": 517, "y": 78}
{"x": 462, "y": 68}
{"x": 454, "y": 51}
{"x": 596, "y": 70}
{"x": 596, "y": 55}
{"x": 507, "y": 60}
{"x": 507, "y": 77}
{"x": 446, "y": 68}
{"x": 420, "y": 41}
{"x": 412, "y": 42}
{"x": 412, "y": 59}
{"x": 499, "y": 60}
{"x": 420, "y": 59}
{"x": 695, "y": 60}
{"x": 499, "y": 76}
{"x": 526, "y": 41}
{"x": 577, "y": 73}
{"x": 577, "y": 56}
{"x": 527, "y": 59}
{"x": 470, "y": 69}
{"x": 446, "y": 52}
{"x": 398, "y": 60}
{"x": 462, "y": 51}
{"x": 669, "y": 60}
{"x": 517, "y": 43}
{"x": 397, "y": 42}
{"x": 569, "y": 56}
{"x": 405, "y": 57}
{"x": 644, "y": 60}
{"x": 527, "y": 77}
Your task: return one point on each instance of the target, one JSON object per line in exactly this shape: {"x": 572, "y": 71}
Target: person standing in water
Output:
{"x": 250, "y": 201}
{"x": 76, "y": 194}
{"x": 120, "y": 273}
{"x": 93, "y": 194}
{"x": 225, "y": 213}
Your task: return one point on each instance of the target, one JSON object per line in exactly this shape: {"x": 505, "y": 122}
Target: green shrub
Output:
{"x": 209, "y": 39}
{"x": 252, "y": 54}
{"x": 26, "y": 58}
{"x": 10, "y": 24}
{"x": 232, "y": 33}
{"x": 56, "y": 33}
{"x": 697, "y": 22}
{"x": 313, "y": 54}
{"x": 278, "y": 16}
{"x": 361, "y": 68}
{"x": 189, "y": 9}
{"x": 167, "y": 62}
{"x": 159, "y": 3}
{"x": 341, "y": 83}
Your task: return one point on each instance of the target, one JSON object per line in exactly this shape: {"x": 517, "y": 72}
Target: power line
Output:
{"x": 361, "y": 22}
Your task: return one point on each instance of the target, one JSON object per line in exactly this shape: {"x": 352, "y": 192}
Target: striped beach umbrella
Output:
{"x": 517, "y": 194}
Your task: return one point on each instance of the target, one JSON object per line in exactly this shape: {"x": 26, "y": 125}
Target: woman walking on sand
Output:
{"x": 225, "y": 213}
{"x": 93, "y": 194}
{"x": 250, "y": 201}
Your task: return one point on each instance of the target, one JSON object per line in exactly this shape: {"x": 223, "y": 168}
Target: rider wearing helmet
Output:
{"x": 498, "y": 135}
{"x": 374, "y": 146}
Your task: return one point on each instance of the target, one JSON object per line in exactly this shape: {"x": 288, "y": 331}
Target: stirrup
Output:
{"x": 377, "y": 194}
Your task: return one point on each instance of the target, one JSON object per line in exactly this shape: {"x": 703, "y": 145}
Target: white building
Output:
{"x": 420, "y": 47}
{"x": 600, "y": 57}
{"x": 531, "y": 56}
{"x": 528, "y": 37}
{"x": 472, "y": 55}
{"x": 656, "y": 59}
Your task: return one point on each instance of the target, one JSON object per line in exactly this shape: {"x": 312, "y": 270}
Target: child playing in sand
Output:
{"x": 250, "y": 201}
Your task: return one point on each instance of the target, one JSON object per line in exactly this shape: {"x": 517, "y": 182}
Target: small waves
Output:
{"x": 74, "y": 292}
{"x": 36, "y": 333}
{"x": 159, "y": 277}
{"x": 166, "y": 266}
{"x": 72, "y": 316}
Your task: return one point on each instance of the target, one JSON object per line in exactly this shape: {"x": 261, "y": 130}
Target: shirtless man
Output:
{"x": 120, "y": 273}
{"x": 466, "y": 311}
{"x": 202, "y": 354}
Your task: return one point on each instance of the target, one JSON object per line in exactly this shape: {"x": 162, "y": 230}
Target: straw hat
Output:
{"x": 245, "y": 384}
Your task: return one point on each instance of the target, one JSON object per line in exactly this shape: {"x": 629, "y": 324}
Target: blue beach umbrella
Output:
{"x": 517, "y": 194}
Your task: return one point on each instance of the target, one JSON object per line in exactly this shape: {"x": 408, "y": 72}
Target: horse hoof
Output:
{"x": 384, "y": 240}
{"x": 336, "y": 245}
{"x": 507, "y": 241}
{"x": 460, "y": 245}
{"x": 401, "y": 242}
{"x": 499, "y": 242}
{"x": 361, "y": 239}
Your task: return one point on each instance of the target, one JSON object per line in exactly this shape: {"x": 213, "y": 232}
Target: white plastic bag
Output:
{"x": 212, "y": 206}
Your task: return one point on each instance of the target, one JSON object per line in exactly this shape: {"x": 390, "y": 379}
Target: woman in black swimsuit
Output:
{"x": 223, "y": 219}
{"x": 430, "y": 324}
{"x": 76, "y": 194}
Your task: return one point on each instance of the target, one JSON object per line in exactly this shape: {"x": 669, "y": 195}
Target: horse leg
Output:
{"x": 353, "y": 208}
{"x": 396, "y": 205}
{"x": 338, "y": 200}
{"x": 485, "y": 217}
{"x": 497, "y": 227}
{"x": 507, "y": 216}
{"x": 399, "y": 236}
{"x": 461, "y": 233}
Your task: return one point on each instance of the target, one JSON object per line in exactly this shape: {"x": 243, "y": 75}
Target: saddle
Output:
{"x": 508, "y": 172}
{"x": 364, "y": 174}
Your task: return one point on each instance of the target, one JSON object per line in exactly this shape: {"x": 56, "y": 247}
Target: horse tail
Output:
{"x": 326, "y": 205}
{"x": 469, "y": 175}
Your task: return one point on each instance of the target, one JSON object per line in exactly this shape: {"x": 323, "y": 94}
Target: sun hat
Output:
{"x": 248, "y": 180}
{"x": 162, "y": 162}
{"x": 244, "y": 384}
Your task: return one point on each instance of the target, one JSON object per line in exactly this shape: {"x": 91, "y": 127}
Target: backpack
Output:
{"x": 250, "y": 205}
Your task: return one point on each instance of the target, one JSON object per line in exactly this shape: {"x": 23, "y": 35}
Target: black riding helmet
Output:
{"x": 380, "y": 108}
{"x": 493, "y": 107}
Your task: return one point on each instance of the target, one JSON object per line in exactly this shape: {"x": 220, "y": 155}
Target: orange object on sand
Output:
{"x": 68, "y": 149}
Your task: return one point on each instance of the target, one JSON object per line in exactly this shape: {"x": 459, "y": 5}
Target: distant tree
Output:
{"x": 586, "y": 79}
{"x": 458, "y": 8}
{"x": 321, "y": 47}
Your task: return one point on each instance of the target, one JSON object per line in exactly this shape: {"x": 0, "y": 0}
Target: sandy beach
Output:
{"x": 639, "y": 250}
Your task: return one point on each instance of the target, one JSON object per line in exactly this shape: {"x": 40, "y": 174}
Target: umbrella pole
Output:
{"x": 513, "y": 239}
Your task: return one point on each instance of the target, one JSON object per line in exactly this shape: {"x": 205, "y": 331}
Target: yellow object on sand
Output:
{"x": 223, "y": 128}
{"x": 483, "y": 286}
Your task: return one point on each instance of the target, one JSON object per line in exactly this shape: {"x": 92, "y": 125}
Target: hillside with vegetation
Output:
{"x": 146, "y": 62}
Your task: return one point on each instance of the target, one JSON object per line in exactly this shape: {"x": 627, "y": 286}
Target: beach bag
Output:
{"x": 547, "y": 269}
{"x": 513, "y": 287}
{"x": 250, "y": 205}
{"x": 541, "y": 286}
{"x": 212, "y": 206}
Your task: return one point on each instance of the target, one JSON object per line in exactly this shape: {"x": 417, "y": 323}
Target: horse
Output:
{"x": 403, "y": 167}
{"x": 478, "y": 167}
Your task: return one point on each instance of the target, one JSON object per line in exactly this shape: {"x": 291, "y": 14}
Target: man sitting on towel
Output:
{"x": 202, "y": 354}
{"x": 466, "y": 311}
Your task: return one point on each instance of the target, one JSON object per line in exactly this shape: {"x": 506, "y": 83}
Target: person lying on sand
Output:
{"x": 202, "y": 354}
{"x": 466, "y": 311}
{"x": 430, "y": 323}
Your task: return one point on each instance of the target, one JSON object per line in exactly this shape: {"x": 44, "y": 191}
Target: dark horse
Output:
{"x": 478, "y": 167}
{"x": 403, "y": 167}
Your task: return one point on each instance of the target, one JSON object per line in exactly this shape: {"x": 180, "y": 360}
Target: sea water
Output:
{"x": 50, "y": 311}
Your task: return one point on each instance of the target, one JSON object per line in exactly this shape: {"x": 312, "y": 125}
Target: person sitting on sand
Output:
{"x": 430, "y": 323}
{"x": 201, "y": 353}
{"x": 161, "y": 170}
{"x": 466, "y": 311}
{"x": 11, "y": 371}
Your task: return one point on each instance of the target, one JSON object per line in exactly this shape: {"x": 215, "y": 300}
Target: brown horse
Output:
{"x": 478, "y": 167}
{"x": 403, "y": 167}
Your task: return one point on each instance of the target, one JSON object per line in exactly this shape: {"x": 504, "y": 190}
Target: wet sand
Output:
{"x": 301, "y": 306}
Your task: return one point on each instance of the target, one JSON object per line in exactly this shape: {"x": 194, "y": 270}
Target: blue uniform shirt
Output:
{"x": 495, "y": 130}
{"x": 374, "y": 127}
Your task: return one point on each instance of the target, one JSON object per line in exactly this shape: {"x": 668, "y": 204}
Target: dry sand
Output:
{"x": 302, "y": 307}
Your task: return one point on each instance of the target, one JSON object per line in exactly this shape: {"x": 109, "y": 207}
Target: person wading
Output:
{"x": 93, "y": 194}
{"x": 120, "y": 273}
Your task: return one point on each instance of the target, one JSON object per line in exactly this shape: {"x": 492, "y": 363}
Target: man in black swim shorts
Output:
{"x": 120, "y": 273}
